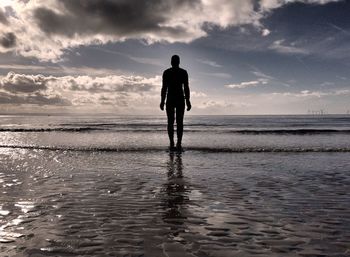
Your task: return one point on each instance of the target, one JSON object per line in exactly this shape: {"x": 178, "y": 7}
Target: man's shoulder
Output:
{"x": 171, "y": 69}
{"x": 183, "y": 70}
{"x": 167, "y": 70}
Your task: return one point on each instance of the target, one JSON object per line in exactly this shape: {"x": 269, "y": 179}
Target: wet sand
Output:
{"x": 67, "y": 203}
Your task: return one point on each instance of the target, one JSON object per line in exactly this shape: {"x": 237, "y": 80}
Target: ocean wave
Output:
{"x": 291, "y": 131}
{"x": 190, "y": 149}
{"x": 79, "y": 129}
{"x": 145, "y": 129}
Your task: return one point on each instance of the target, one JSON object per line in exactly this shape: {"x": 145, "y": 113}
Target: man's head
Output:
{"x": 175, "y": 61}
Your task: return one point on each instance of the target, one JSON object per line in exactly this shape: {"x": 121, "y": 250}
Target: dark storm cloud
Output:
{"x": 3, "y": 18}
{"x": 8, "y": 40}
{"x": 112, "y": 17}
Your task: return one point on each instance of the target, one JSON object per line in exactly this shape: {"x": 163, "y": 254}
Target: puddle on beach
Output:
{"x": 62, "y": 203}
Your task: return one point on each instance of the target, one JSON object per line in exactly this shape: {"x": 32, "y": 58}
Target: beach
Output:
{"x": 107, "y": 186}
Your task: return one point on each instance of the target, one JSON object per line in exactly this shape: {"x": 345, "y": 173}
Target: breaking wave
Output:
{"x": 191, "y": 149}
{"x": 203, "y": 129}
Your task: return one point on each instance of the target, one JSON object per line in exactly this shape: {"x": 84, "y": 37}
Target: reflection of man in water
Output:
{"x": 176, "y": 198}
{"x": 175, "y": 90}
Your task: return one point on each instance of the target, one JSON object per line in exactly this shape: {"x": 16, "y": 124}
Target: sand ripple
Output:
{"x": 154, "y": 204}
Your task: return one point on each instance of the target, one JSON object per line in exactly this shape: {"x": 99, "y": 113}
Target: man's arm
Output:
{"x": 187, "y": 92}
{"x": 164, "y": 91}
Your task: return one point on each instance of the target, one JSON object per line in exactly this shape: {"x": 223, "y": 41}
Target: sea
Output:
{"x": 107, "y": 185}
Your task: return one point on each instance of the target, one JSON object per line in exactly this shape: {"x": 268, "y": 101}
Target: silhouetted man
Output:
{"x": 176, "y": 91}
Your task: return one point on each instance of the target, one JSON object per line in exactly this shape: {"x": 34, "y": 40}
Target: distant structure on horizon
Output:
{"x": 317, "y": 112}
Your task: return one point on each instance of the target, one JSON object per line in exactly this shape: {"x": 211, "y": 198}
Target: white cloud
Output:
{"x": 138, "y": 94}
{"x": 303, "y": 93}
{"x": 115, "y": 90}
{"x": 60, "y": 70}
{"x": 197, "y": 94}
{"x": 222, "y": 75}
{"x": 144, "y": 60}
{"x": 210, "y": 63}
{"x": 265, "y": 32}
{"x": 313, "y": 94}
{"x": 253, "y": 83}
{"x": 213, "y": 105}
{"x": 262, "y": 75}
{"x": 268, "y": 5}
{"x": 286, "y": 49}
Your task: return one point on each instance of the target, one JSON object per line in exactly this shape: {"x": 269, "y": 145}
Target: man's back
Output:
{"x": 175, "y": 85}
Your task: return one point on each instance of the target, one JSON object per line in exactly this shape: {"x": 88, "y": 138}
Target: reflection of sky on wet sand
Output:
{"x": 80, "y": 203}
{"x": 13, "y": 214}
{"x": 3, "y": 212}
{"x": 10, "y": 225}
{"x": 25, "y": 206}
{"x": 15, "y": 210}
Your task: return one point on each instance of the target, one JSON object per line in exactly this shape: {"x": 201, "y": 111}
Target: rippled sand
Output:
{"x": 67, "y": 203}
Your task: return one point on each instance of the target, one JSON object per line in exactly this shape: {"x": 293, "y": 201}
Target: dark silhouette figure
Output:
{"x": 176, "y": 91}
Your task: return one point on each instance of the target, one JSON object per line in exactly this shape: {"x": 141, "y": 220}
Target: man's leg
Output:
{"x": 180, "y": 110}
{"x": 170, "y": 111}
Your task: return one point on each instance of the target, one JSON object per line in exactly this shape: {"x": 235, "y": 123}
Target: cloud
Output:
{"x": 265, "y": 79}
{"x": 3, "y": 18}
{"x": 8, "y": 40}
{"x": 262, "y": 75}
{"x": 246, "y": 84}
{"x": 210, "y": 63}
{"x": 265, "y": 32}
{"x": 303, "y": 93}
{"x": 18, "y": 89}
{"x": 196, "y": 94}
{"x": 268, "y": 5}
{"x": 47, "y": 29}
{"x": 262, "y": 79}
{"x": 115, "y": 90}
{"x": 59, "y": 70}
{"x": 121, "y": 18}
{"x": 113, "y": 83}
{"x": 221, "y": 106}
{"x": 221, "y": 75}
{"x": 148, "y": 61}
{"x": 21, "y": 67}
{"x": 286, "y": 49}
{"x": 314, "y": 94}
{"x": 34, "y": 99}
{"x": 20, "y": 83}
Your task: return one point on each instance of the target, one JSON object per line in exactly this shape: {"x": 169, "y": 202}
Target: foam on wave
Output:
{"x": 193, "y": 149}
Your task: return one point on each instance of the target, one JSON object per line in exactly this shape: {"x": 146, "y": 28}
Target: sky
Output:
{"x": 107, "y": 56}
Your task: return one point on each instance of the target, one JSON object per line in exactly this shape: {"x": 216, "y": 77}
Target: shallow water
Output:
{"x": 329, "y": 133}
{"x": 105, "y": 186}
{"x": 152, "y": 203}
